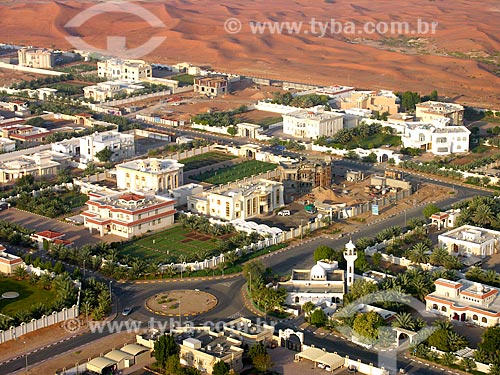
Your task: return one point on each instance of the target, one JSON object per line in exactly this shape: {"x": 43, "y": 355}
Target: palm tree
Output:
{"x": 20, "y": 273}
{"x": 439, "y": 256}
{"x": 230, "y": 257}
{"x": 490, "y": 277}
{"x": 483, "y": 215}
{"x": 448, "y": 359}
{"x": 443, "y": 324}
{"x": 474, "y": 274}
{"x": 468, "y": 363}
{"x": 405, "y": 321}
{"x": 456, "y": 341}
{"x": 418, "y": 253}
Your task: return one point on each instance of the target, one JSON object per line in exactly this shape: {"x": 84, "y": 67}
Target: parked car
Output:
{"x": 284, "y": 213}
{"x": 126, "y": 311}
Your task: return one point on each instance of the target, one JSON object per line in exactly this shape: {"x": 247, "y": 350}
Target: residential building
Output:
{"x": 211, "y": 86}
{"x": 122, "y": 145}
{"x": 156, "y": 175}
{"x": 127, "y": 214}
{"x": 108, "y": 90}
{"x": 129, "y": 70}
{"x": 26, "y": 134}
{"x": 428, "y": 111}
{"x": 335, "y": 92}
{"x": 181, "y": 193}
{"x": 36, "y": 58}
{"x": 67, "y": 146}
{"x": 238, "y": 202}
{"x": 436, "y": 137}
{"x": 312, "y": 125}
{"x": 469, "y": 240}
{"x": 381, "y": 101}
{"x": 7, "y": 145}
{"x": 40, "y": 163}
{"x": 299, "y": 178}
{"x": 323, "y": 283}
{"x": 202, "y": 348}
{"x": 248, "y": 332}
{"x": 465, "y": 301}
{"x": 9, "y": 262}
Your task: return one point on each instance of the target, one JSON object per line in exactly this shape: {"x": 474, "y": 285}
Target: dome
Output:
{"x": 318, "y": 272}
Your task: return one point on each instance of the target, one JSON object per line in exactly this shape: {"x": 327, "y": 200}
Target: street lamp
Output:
{"x": 110, "y": 292}
{"x": 84, "y": 268}
{"x": 180, "y": 316}
{"x": 26, "y": 356}
{"x": 301, "y": 227}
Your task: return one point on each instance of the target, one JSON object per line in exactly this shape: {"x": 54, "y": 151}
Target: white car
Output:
{"x": 284, "y": 213}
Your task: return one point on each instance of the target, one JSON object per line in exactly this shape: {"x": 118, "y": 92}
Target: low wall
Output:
{"x": 211, "y": 129}
{"x": 45, "y": 321}
{"x": 30, "y": 70}
{"x": 137, "y": 98}
{"x": 275, "y": 108}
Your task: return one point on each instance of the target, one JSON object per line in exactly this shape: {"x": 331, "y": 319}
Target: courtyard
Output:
{"x": 236, "y": 172}
{"x": 204, "y": 160}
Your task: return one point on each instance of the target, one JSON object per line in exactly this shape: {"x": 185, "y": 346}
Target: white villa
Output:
{"x": 469, "y": 240}
{"x": 465, "y": 300}
{"x": 312, "y": 125}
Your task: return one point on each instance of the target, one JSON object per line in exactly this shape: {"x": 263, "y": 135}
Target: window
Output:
{"x": 484, "y": 320}
{"x": 228, "y": 209}
{"x": 474, "y": 317}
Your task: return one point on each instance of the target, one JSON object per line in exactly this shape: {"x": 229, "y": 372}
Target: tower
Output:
{"x": 350, "y": 255}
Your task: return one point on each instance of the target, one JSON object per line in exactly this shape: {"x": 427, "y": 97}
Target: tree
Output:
{"x": 448, "y": 359}
{"x": 165, "y": 347}
{"x": 256, "y": 350}
{"x": 489, "y": 347}
{"x": 104, "y": 155}
{"x": 418, "y": 253}
{"x": 323, "y": 252}
{"x": 405, "y": 321}
{"x": 376, "y": 259}
{"x": 409, "y": 100}
{"x": 232, "y": 130}
{"x": 318, "y": 318}
{"x": 308, "y": 307}
{"x": 468, "y": 363}
{"x": 366, "y": 325}
{"x": 221, "y": 368}
{"x": 262, "y": 362}
{"x": 430, "y": 209}
{"x": 439, "y": 339}
{"x": 359, "y": 289}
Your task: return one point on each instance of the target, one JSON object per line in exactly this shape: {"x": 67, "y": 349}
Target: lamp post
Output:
{"x": 26, "y": 356}
{"x": 301, "y": 227}
{"x": 180, "y": 316}
{"x": 84, "y": 268}
{"x": 110, "y": 292}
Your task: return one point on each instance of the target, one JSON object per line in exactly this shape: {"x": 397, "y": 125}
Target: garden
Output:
{"x": 204, "y": 160}
{"x": 234, "y": 173}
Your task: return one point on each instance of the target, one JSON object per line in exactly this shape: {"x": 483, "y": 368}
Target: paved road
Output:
{"x": 228, "y": 291}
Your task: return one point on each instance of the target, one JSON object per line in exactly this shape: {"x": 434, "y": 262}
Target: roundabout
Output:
{"x": 181, "y": 303}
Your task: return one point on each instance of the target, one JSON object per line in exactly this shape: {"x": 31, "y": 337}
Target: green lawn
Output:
{"x": 167, "y": 246}
{"x": 74, "y": 199}
{"x": 265, "y": 122}
{"x": 235, "y": 172}
{"x": 203, "y": 160}
{"x": 29, "y": 295}
{"x": 378, "y": 140}
{"x": 184, "y": 79}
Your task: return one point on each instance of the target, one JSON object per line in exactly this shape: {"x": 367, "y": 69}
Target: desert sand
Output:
{"x": 195, "y": 33}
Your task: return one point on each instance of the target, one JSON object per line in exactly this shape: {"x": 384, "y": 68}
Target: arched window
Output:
{"x": 435, "y": 307}
{"x": 474, "y": 317}
{"x": 484, "y": 320}
{"x": 444, "y": 309}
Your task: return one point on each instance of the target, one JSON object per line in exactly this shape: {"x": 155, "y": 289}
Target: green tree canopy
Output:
{"x": 104, "y": 155}
{"x": 323, "y": 252}
{"x": 430, "y": 209}
{"x": 366, "y": 325}
{"x": 165, "y": 347}
{"x": 221, "y": 368}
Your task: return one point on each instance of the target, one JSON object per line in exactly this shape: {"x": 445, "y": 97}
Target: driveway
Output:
{"x": 78, "y": 234}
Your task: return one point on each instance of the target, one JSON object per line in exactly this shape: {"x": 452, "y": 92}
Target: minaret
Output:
{"x": 350, "y": 255}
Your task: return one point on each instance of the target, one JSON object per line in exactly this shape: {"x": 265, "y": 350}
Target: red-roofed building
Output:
{"x": 9, "y": 262}
{"x": 50, "y": 236}
{"x": 128, "y": 214}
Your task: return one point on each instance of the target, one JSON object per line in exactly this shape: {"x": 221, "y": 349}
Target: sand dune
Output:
{"x": 195, "y": 32}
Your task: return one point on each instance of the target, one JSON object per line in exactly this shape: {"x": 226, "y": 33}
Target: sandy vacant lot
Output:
{"x": 195, "y": 32}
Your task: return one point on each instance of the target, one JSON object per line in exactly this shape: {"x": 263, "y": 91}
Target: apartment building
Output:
{"x": 108, "y": 90}
{"x": 381, "y": 101}
{"x": 128, "y": 214}
{"x": 238, "y": 202}
{"x": 129, "y": 70}
{"x": 36, "y": 58}
{"x": 301, "y": 177}
{"x": 469, "y": 240}
{"x": 122, "y": 145}
{"x": 428, "y": 111}
{"x": 312, "y": 125}
{"x": 201, "y": 348}
{"x": 211, "y": 86}
{"x": 436, "y": 137}
{"x": 465, "y": 301}
{"x": 156, "y": 175}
